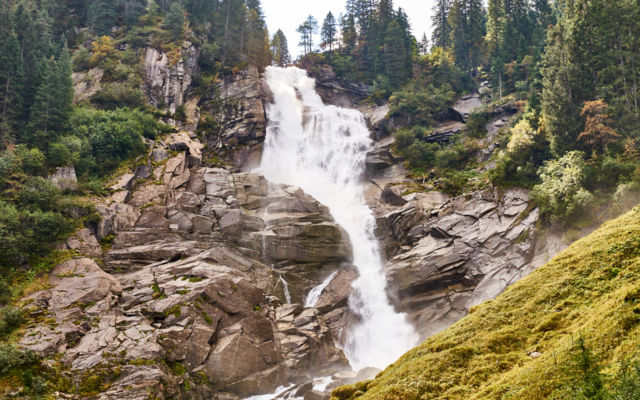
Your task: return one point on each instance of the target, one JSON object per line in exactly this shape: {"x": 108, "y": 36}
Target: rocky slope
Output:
{"x": 194, "y": 275}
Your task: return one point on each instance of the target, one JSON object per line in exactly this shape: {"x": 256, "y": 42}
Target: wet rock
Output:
{"x": 316, "y": 395}
{"x": 303, "y": 389}
{"x": 336, "y": 293}
{"x": 392, "y": 195}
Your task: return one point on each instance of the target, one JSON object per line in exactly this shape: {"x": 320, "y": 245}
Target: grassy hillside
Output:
{"x": 589, "y": 293}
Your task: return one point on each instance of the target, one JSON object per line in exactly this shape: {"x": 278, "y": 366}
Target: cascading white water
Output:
{"x": 285, "y": 288}
{"x": 314, "y": 294}
{"x": 322, "y": 150}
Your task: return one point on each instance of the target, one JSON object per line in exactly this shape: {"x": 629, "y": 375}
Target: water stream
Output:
{"x": 314, "y": 294}
{"x": 322, "y": 150}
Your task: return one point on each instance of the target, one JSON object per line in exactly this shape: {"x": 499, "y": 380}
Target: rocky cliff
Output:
{"x": 195, "y": 273}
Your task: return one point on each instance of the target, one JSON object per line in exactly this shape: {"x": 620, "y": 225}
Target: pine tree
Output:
{"x": 561, "y": 110}
{"x": 44, "y": 112}
{"x": 101, "y": 16}
{"x": 11, "y": 87}
{"x": 440, "y": 20}
{"x": 64, "y": 89}
{"x": 496, "y": 30}
{"x": 280, "y": 50}
{"x": 458, "y": 19}
{"x": 175, "y": 20}
{"x": 476, "y": 35}
{"x": 328, "y": 32}
{"x": 133, "y": 10}
{"x": 424, "y": 45}
{"x": 395, "y": 55}
{"x": 303, "y": 29}
{"x": 312, "y": 25}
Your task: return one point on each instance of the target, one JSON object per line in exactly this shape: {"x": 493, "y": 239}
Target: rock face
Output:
{"x": 242, "y": 116}
{"x": 166, "y": 83}
{"x": 456, "y": 254}
{"x": 337, "y": 91}
{"x": 195, "y": 275}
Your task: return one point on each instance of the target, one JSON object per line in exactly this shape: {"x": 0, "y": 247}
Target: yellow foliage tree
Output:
{"x": 102, "y": 49}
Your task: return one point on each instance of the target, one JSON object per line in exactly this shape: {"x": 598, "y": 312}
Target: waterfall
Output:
{"x": 322, "y": 149}
{"x": 314, "y": 294}
{"x": 285, "y": 286}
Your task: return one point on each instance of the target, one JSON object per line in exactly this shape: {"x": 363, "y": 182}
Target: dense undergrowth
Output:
{"x": 570, "y": 330}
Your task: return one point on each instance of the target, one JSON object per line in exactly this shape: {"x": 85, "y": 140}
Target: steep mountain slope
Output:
{"x": 519, "y": 345}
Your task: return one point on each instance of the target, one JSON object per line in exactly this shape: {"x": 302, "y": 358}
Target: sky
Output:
{"x": 289, "y": 14}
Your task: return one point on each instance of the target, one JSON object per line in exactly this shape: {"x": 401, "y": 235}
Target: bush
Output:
{"x": 5, "y": 291}
{"x": 12, "y": 358}
{"x": 10, "y": 320}
{"x": 40, "y": 193}
{"x": 561, "y": 193}
{"x": 58, "y": 155}
{"x": 416, "y": 104}
{"x": 81, "y": 60}
{"x": 33, "y": 161}
{"x": 118, "y": 95}
{"x": 29, "y": 232}
{"x": 477, "y": 122}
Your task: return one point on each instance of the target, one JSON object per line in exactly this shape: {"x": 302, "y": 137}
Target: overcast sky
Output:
{"x": 289, "y": 14}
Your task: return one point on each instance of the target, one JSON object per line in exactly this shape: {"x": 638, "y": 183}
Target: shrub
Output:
{"x": 40, "y": 193}
{"x": 33, "y": 161}
{"x": 417, "y": 104}
{"x": 10, "y": 320}
{"x": 118, "y": 95}
{"x": 5, "y": 291}
{"x": 561, "y": 193}
{"x": 81, "y": 59}
{"x": 11, "y": 358}
{"x": 58, "y": 155}
{"x": 29, "y": 232}
{"x": 476, "y": 123}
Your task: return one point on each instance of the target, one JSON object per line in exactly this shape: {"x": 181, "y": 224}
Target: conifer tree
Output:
{"x": 440, "y": 20}
{"x": 101, "y": 16}
{"x": 175, "y": 20}
{"x": 395, "y": 54}
{"x": 328, "y": 32}
{"x": 11, "y": 87}
{"x": 303, "y": 29}
{"x": 424, "y": 45}
{"x": 64, "y": 90}
{"x": 312, "y": 26}
{"x": 44, "y": 112}
{"x": 280, "y": 50}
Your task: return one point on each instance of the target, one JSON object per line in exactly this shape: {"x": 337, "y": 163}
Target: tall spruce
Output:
{"x": 395, "y": 54}
{"x": 64, "y": 82}
{"x": 440, "y": 20}
{"x": 43, "y": 118}
{"x": 280, "y": 50}
{"x": 328, "y": 32}
{"x": 102, "y": 15}
{"x": 175, "y": 20}
{"x": 11, "y": 88}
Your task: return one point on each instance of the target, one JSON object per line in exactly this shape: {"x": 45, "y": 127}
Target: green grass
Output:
{"x": 590, "y": 291}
